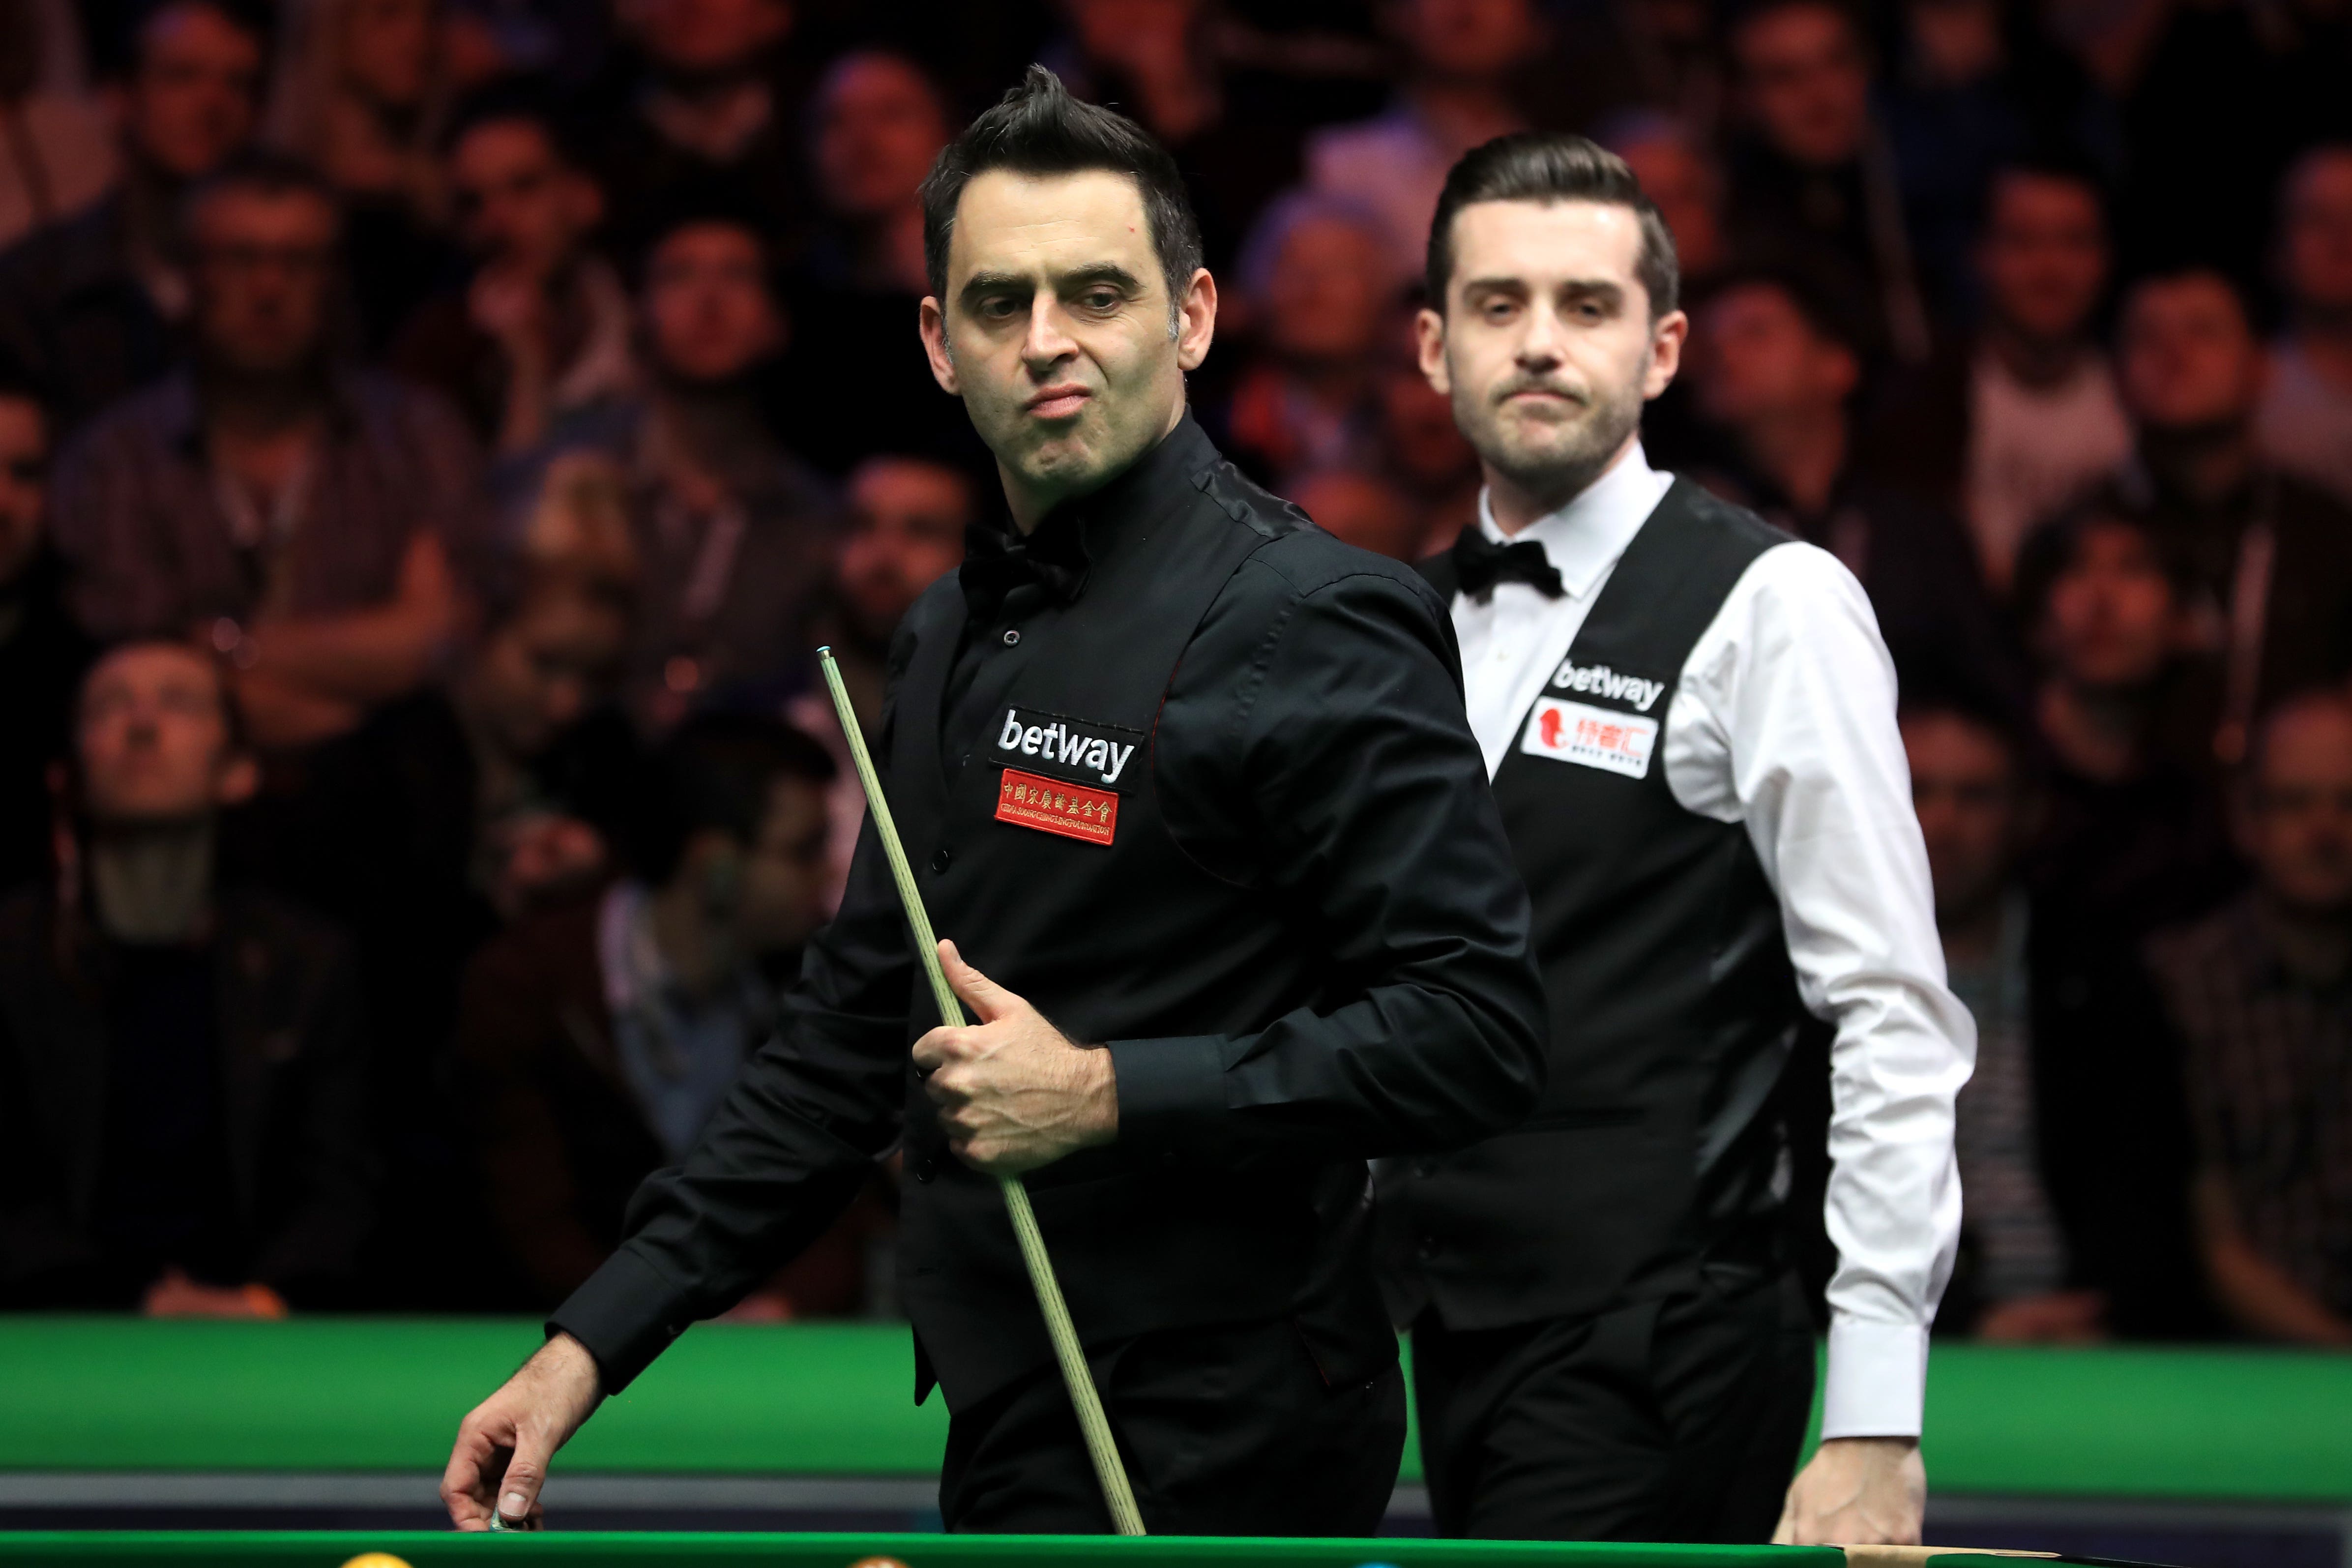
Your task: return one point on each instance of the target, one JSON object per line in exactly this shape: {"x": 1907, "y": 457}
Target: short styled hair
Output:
{"x": 1037, "y": 128}
{"x": 1544, "y": 167}
{"x": 715, "y": 773}
{"x": 260, "y": 173}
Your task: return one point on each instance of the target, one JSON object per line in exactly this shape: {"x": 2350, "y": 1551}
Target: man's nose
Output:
{"x": 1540, "y": 345}
{"x": 1047, "y": 340}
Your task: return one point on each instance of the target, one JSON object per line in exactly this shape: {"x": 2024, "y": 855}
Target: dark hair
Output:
{"x": 715, "y": 773}
{"x": 2059, "y": 167}
{"x": 262, "y": 173}
{"x": 698, "y": 206}
{"x": 242, "y": 14}
{"x": 1823, "y": 310}
{"x": 2054, "y": 549}
{"x": 18, "y": 385}
{"x": 1980, "y": 710}
{"x": 232, "y": 716}
{"x": 1546, "y": 166}
{"x": 524, "y": 100}
{"x": 2194, "y": 269}
{"x": 1037, "y": 128}
{"x": 1749, "y": 11}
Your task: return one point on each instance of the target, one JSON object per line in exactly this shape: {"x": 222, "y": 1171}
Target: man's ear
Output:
{"x": 1196, "y": 321}
{"x": 240, "y": 776}
{"x": 932, "y": 322}
{"x": 1667, "y": 341}
{"x": 1429, "y": 340}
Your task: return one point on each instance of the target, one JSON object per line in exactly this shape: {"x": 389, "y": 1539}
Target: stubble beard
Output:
{"x": 1554, "y": 471}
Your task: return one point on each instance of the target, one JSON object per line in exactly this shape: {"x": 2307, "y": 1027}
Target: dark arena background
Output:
{"x": 436, "y": 434}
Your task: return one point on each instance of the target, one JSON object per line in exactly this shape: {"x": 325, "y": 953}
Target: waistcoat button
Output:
{"x": 940, "y": 860}
{"x": 1012, "y": 637}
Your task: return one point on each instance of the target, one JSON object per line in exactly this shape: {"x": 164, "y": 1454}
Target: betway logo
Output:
{"x": 1062, "y": 743}
{"x": 1603, "y": 682}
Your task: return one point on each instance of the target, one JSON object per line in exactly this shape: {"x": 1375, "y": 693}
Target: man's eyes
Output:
{"x": 1100, "y": 300}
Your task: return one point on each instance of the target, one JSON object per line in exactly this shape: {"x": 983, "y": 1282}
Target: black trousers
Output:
{"x": 1676, "y": 1419}
{"x": 1228, "y": 1430}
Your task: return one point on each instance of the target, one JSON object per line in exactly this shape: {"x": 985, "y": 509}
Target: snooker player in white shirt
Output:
{"x": 1689, "y": 719}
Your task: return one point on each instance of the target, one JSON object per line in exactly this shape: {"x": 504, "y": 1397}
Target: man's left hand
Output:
{"x": 1013, "y": 1093}
{"x": 1857, "y": 1491}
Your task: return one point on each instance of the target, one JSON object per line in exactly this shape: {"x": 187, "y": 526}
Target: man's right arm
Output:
{"x": 784, "y": 1155}
{"x": 787, "y": 1150}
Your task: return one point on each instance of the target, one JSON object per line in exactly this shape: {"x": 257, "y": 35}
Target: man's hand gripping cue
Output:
{"x": 1013, "y": 1093}
{"x": 505, "y": 1445}
{"x": 1857, "y": 1491}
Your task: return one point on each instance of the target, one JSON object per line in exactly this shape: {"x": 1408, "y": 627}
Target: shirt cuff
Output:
{"x": 1877, "y": 1381}
{"x": 1171, "y": 1094}
{"x": 626, "y": 1313}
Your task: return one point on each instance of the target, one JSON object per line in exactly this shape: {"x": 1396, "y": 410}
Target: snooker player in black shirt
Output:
{"x": 1189, "y": 789}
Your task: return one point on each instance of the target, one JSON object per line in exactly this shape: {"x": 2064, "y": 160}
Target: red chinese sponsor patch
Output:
{"x": 1050, "y": 805}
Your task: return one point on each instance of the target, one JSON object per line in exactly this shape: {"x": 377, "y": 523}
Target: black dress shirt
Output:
{"x": 1307, "y": 947}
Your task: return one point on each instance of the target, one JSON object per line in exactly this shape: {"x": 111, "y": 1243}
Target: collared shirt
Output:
{"x": 680, "y": 1053}
{"x": 2269, "y": 1058}
{"x": 1784, "y": 720}
{"x": 152, "y": 550}
{"x": 2306, "y": 420}
{"x": 1309, "y": 745}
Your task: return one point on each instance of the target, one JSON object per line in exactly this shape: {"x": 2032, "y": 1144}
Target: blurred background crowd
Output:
{"x": 434, "y": 435}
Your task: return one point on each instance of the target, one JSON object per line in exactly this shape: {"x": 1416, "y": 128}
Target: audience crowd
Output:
{"x": 434, "y": 434}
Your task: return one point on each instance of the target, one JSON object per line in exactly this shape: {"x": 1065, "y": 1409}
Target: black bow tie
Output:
{"x": 995, "y": 563}
{"x": 1480, "y": 563}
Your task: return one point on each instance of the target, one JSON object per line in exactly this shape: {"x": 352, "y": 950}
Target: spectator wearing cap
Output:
{"x": 181, "y": 1125}
{"x": 2267, "y": 555}
{"x": 1813, "y": 178}
{"x": 89, "y": 305}
{"x": 1324, "y": 307}
{"x": 2071, "y": 1137}
{"x": 2007, "y": 427}
{"x": 542, "y": 327}
{"x": 2305, "y": 418}
{"x": 42, "y": 652}
{"x": 1461, "y": 88}
{"x": 1777, "y": 370}
{"x": 596, "y": 1040}
{"x": 307, "y": 519}
{"x": 2261, "y": 992}
{"x": 732, "y": 531}
{"x": 2131, "y": 836}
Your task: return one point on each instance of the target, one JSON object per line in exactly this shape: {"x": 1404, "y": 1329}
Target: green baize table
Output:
{"x": 123, "y": 1400}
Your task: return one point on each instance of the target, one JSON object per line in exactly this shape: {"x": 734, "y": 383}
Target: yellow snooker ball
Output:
{"x": 376, "y": 1560}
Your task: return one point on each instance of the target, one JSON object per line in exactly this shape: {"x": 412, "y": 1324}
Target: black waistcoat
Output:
{"x": 1126, "y": 941}
{"x": 1672, "y": 1001}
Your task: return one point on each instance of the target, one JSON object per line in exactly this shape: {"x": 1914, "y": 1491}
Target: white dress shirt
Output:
{"x": 1784, "y": 720}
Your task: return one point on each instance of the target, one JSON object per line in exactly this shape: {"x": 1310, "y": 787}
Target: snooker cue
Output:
{"x": 1075, "y": 1375}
